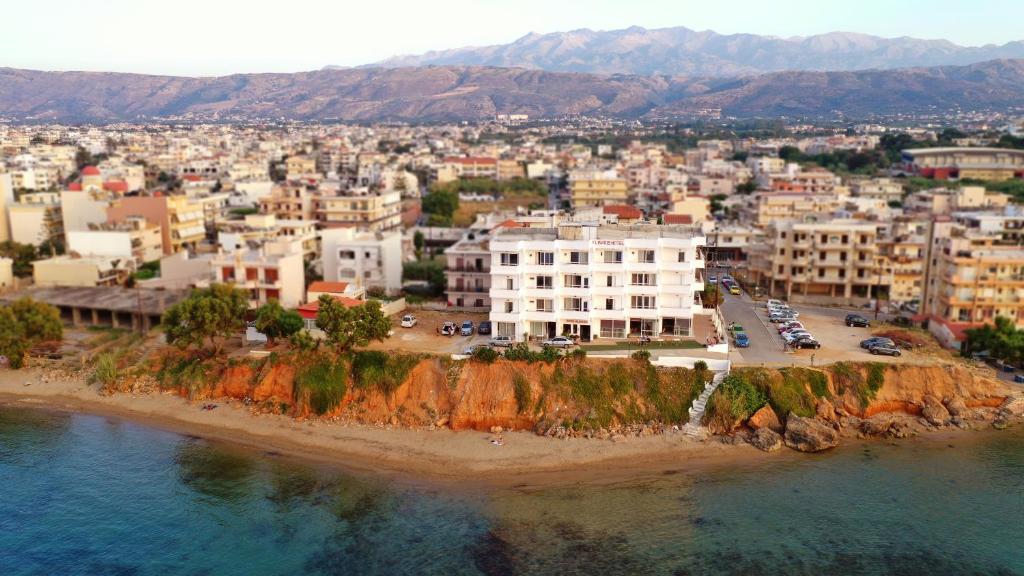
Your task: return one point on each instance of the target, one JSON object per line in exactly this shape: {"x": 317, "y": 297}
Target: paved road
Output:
{"x": 765, "y": 345}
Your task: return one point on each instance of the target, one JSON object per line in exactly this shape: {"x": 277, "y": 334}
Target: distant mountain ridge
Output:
{"x": 682, "y": 51}
{"x": 451, "y": 93}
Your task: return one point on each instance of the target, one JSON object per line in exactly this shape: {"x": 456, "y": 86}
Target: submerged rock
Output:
{"x": 765, "y": 418}
{"x": 884, "y": 425}
{"x": 766, "y": 439}
{"x": 809, "y": 434}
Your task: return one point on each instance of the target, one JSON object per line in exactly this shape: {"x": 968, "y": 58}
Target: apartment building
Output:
{"x": 363, "y": 259}
{"x": 468, "y": 273}
{"x": 1007, "y": 225}
{"x": 274, "y": 271}
{"x": 732, "y": 242}
{"x": 833, "y": 260}
{"x": 885, "y": 189}
{"x": 766, "y": 208}
{"x": 589, "y": 188}
{"x": 36, "y": 218}
{"x": 609, "y": 281}
{"x": 473, "y": 167}
{"x": 260, "y": 228}
{"x": 301, "y": 167}
{"x": 375, "y": 211}
{"x": 971, "y": 281}
{"x": 6, "y": 199}
{"x": 186, "y": 223}
{"x": 290, "y": 201}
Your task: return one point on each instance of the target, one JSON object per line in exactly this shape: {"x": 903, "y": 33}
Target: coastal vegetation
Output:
{"x": 24, "y": 324}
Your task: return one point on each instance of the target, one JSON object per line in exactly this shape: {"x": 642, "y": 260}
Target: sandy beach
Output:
{"x": 441, "y": 454}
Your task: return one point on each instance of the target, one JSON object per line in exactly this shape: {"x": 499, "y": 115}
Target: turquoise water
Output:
{"x": 88, "y": 495}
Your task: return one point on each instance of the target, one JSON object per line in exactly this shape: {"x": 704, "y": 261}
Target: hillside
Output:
{"x": 682, "y": 51}
{"x": 471, "y": 92}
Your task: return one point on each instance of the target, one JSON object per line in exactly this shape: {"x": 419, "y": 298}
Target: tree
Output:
{"x": 419, "y": 241}
{"x": 747, "y": 187}
{"x": 40, "y": 321}
{"x": 347, "y": 327}
{"x": 790, "y": 153}
{"x": 441, "y": 205}
{"x": 23, "y": 256}
{"x": 276, "y": 322}
{"x": 207, "y": 315}
{"x": 1001, "y": 340}
{"x": 12, "y": 338}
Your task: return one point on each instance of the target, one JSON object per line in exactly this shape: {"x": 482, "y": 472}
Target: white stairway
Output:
{"x": 694, "y": 427}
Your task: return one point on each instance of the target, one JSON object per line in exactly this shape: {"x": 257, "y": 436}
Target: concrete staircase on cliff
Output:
{"x": 693, "y": 427}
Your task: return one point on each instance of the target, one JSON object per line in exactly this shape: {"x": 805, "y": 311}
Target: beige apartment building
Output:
{"x": 885, "y": 189}
{"x": 972, "y": 280}
{"x": 275, "y": 271}
{"x": 36, "y": 218}
{"x": 373, "y": 211}
{"x": 769, "y": 207}
{"x": 291, "y": 201}
{"x": 589, "y": 189}
{"x": 839, "y": 259}
{"x": 186, "y": 223}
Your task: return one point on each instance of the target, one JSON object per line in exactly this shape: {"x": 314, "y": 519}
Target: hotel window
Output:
{"x": 508, "y": 307}
{"x": 575, "y": 305}
{"x": 545, "y": 305}
{"x": 645, "y": 256}
{"x": 612, "y": 257}
{"x": 642, "y": 302}
{"x": 682, "y": 255}
{"x": 609, "y": 303}
{"x": 643, "y": 279}
{"x": 576, "y": 281}
{"x": 509, "y": 259}
{"x": 579, "y": 258}
{"x": 544, "y": 282}
{"x": 545, "y": 258}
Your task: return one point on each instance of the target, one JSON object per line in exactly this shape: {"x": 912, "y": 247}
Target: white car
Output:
{"x": 559, "y": 342}
{"x": 773, "y": 303}
{"x": 408, "y": 321}
{"x": 796, "y": 335}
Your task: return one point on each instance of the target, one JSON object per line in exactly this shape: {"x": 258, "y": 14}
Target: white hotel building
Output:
{"x": 610, "y": 281}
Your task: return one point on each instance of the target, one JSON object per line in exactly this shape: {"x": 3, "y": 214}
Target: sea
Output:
{"x": 84, "y": 494}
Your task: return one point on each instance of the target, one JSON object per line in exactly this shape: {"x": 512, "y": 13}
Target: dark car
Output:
{"x": 484, "y": 328}
{"x": 1005, "y": 367}
{"x": 806, "y": 343}
{"x": 467, "y": 328}
{"x": 1019, "y": 378}
{"x": 857, "y": 320}
{"x": 885, "y": 350}
{"x": 877, "y": 341}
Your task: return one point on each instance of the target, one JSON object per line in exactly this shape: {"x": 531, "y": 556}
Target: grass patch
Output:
{"x": 736, "y": 399}
{"x": 105, "y": 372}
{"x": 321, "y": 384}
{"x": 191, "y": 374}
{"x": 381, "y": 370}
{"x": 523, "y": 395}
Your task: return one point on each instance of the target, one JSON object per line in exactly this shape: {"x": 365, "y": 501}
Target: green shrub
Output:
{"x": 642, "y": 355}
{"x": 105, "y": 372}
{"x": 485, "y": 355}
{"x": 381, "y": 370}
{"x": 321, "y": 384}
{"x": 577, "y": 354}
{"x": 523, "y": 395}
{"x": 189, "y": 373}
{"x": 876, "y": 377}
{"x": 736, "y": 398}
{"x": 619, "y": 379}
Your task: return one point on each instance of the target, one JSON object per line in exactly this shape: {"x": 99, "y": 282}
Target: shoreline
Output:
{"x": 441, "y": 456}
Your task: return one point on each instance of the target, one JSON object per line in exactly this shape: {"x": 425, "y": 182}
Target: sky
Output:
{"x": 216, "y": 37}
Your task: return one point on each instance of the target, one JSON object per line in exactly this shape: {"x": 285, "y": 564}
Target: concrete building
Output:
{"x": 256, "y": 229}
{"x": 6, "y": 200}
{"x": 363, "y": 259}
{"x": 833, "y": 261}
{"x": 592, "y": 188}
{"x": 473, "y": 167}
{"x": 468, "y": 273}
{"x": 359, "y": 208}
{"x": 275, "y": 271}
{"x": 971, "y": 281}
{"x": 885, "y": 189}
{"x": 596, "y": 281}
{"x": 6, "y": 274}
{"x": 959, "y": 163}
{"x": 75, "y": 271}
{"x": 36, "y": 218}
{"x": 289, "y": 201}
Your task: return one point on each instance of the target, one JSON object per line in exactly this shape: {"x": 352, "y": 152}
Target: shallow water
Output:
{"x": 88, "y": 495}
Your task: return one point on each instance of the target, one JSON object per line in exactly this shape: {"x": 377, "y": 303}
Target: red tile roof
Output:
{"x": 329, "y": 287}
{"x": 115, "y": 186}
{"x": 470, "y": 160}
{"x": 75, "y": 187}
{"x": 309, "y": 309}
{"x": 624, "y": 212}
{"x": 90, "y": 171}
{"x": 677, "y": 219}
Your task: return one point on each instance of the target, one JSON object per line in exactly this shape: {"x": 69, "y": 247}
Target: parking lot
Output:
{"x": 425, "y": 336}
{"x": 838, "y": 341}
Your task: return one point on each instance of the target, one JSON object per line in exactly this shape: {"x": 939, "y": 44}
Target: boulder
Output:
{"x": 809, "y": 434}
{"x": 956, "y": 406}
{"x": 766, "y": 439}
{"x": 765, "y": 418}
{"x": 934, "y": 412}
{"x": 883, "y": 425}
{"x": 825, "y": 410}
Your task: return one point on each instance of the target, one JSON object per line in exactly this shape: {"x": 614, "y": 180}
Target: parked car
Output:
{"x": 806, "y": 342}
{"x": 734, "y": 328}
{"x": 790, "y": 326}
{"x": 877, "y": 341}
{"x": 448, "y": 328}
{"x": 467, "y": 328}
{"x": 781, "y": 319}
{"x": 559, "y": 342}
{"x": 795, "y": 335}
{"x": 712, "y": 279}
{"x": 1005, "y": 367}
{"x": 735, "y": 290}
{"x": 1019, "y": 378}
{"x": 484, "y": 328}
{"x": 741, "y": 339}
{"x": 500, "y": 341}
{"x": 773, "y": 302}
{"x": 885, "y": 350}
{"x": 408, "y": 321}
{"x": 857, "y": 320}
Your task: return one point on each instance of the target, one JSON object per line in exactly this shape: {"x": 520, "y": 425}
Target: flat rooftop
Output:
{"x": 151, "y": 302}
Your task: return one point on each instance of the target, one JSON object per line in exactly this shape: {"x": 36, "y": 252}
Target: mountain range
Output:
{"x": 682, "y": 51}
{"x": 446, "y": 93}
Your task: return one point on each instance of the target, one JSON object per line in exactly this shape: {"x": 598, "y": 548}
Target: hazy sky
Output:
{"x": 210, "y": 37}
